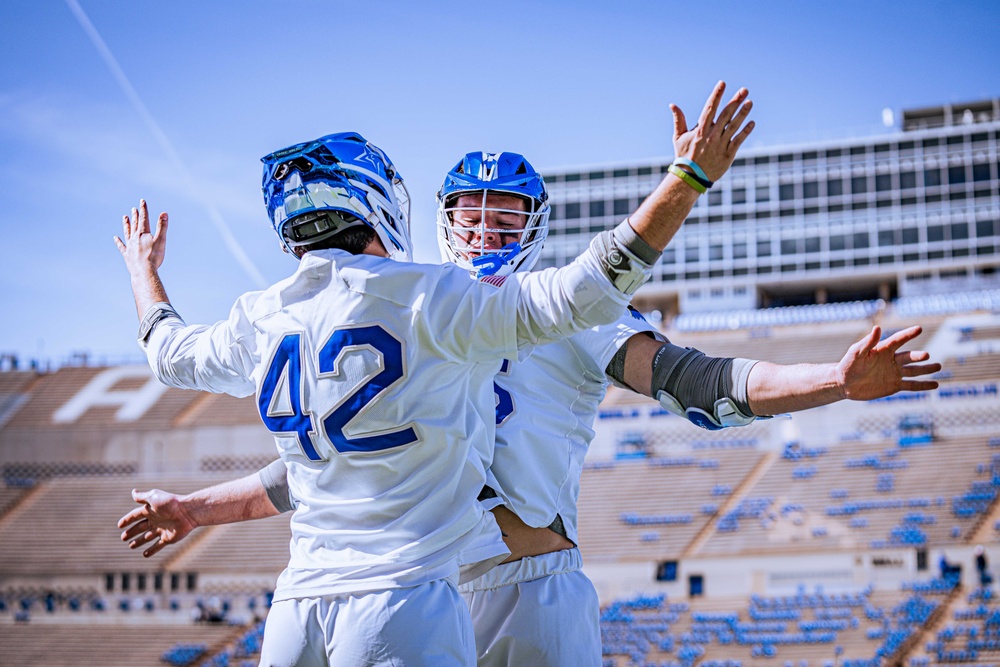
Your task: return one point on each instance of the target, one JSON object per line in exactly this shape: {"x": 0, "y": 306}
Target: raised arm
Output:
{"x": 715, "y": 392}
{"x": 626, "y": 254}
{"x": 165, "y": 518}
{"x": 712, "y": 145}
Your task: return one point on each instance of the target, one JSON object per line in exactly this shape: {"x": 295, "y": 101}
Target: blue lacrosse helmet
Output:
{"x": 482, "y": 173}
{"x": 317, "y": 189}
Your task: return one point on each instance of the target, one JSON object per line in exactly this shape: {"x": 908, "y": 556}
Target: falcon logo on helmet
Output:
{"x": 317, "y": 189}
{"x": 481, "y": 236}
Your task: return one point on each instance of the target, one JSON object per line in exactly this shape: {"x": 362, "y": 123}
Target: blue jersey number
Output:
{"x": 285, "y": 369}
{"x": 505, "y": 402}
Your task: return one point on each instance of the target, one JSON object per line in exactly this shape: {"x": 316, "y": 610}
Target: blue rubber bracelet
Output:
{"x": 698, "y": 171}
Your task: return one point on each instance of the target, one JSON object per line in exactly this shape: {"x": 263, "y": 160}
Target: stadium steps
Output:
{"x": 20, "y": 504}
{"x": 177, "y": 552}
{"x": 984, "y": 528}
{"x": 935, "y": 622}
{"x": 735, "y": 498}
{"x": 228, "y": 642}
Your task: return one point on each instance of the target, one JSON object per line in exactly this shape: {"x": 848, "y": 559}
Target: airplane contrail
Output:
{"x": 213, "y": 213}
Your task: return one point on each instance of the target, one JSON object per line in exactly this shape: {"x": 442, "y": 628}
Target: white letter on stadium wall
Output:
{"x": 134, "y": 403}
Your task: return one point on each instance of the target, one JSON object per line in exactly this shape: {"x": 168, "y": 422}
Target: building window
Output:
{"x": 886, "y": 238}
{"x": 597, "y": 208}
{"x": 763, "y": 193}
{"x": 740, "y": 194}
{"x": 715, "y": 252}
{"x": 789, "y": 246}
{"x": 935, "y": 233}
{"x": 572, "y": 177}
{"x": 956, "y": 175}
{"x": 883, "y": 183}
{"x": 838, "y": 242}
{"x": 861, "y": 240}
{"x": 859, "y": 184}
{"x": 959, "y": 231}
{"x": 621, "y": 207}
{"x": 714, "y": 197}
{"x": 192, "y": 581}
{"x": 911, "y": 236}
{"x": 985, "y": 228}
{"x": 763, "y": 248}
{"x": 981, "y": 172}
{"x": 691, "y": 254}
{"x": 932, "y": 177}
{"x": 810, "y": 190}
{"x": 596, "y": 175}
{"x": 786, "y": 192}
{"x": 812, "y": 244}
{"x": 908, "y": 180}
{"x": 126, "y": 581}
{"x": 739, "y": 250}
{"x": 573, "y": 211}
{"x": 834, "y": 187}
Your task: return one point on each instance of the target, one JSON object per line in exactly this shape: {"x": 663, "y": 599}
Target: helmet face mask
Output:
{"x": 317, "y": 189}
{"x": 493, "y": 214}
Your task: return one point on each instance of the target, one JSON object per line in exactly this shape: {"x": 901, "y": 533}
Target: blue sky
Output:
{"x": 216, "y": 85}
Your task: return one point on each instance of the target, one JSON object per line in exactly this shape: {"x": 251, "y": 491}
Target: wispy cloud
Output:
{"x": 189, "y": 182}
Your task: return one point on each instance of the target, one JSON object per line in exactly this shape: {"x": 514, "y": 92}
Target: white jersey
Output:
{"x": 552, "y": 398}
{"x": 376, "y": 378}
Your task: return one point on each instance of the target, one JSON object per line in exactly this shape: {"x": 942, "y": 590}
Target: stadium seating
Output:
{"x": 645, "y": 509}
{"x": 898, "y": 492}
{"x": 861, "y": 628}
{"x": 772, "y": 317}
{"x": 72, "y": 644}
{"x": 675, "y": 494}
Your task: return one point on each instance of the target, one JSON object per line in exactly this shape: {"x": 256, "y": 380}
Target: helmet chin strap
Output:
{"x": 488, "y": 265}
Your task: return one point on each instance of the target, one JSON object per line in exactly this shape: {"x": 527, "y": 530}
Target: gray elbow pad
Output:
{"x": 710, "y": 392}
{"x": 274, "y": 477}
{"x": 626, "y": 259}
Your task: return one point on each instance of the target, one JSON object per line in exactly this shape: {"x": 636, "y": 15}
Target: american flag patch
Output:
{"x": 496, "y": 281}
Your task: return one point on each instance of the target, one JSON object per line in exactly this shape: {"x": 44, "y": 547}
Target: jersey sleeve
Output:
{"x": 215, "y": 358}
{"x": 556, "y": 303}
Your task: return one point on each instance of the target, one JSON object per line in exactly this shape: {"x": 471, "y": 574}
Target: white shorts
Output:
{"x": 426, "y": 625}
{"x": 541, "y": 611}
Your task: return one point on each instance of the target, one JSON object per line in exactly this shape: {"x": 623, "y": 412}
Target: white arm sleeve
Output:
{"x": 211, "y": 358}
{"x": 554, "y": 304}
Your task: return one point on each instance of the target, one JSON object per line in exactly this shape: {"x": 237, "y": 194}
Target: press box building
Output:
{"x": 905, "y": 214}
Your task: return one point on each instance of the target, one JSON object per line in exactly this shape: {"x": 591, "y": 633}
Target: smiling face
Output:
{"x": 482, "y": 227}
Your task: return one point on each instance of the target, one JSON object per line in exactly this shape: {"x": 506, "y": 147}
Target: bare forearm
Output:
{"x": 662, "y": 214}
{"x": 775, "y": 389}
{"x": 147, "y": 290}
{"x": 230, "y": 502}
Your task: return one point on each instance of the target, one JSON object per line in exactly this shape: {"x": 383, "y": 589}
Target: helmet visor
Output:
{"x": 476, "y": 224}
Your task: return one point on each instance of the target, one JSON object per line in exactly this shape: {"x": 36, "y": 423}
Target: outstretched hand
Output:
{"x": 875, "y": 369}
{"x": 142, "y": 249}
{"x": 161, "y": 520}
{"x": 713, "y": 142}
